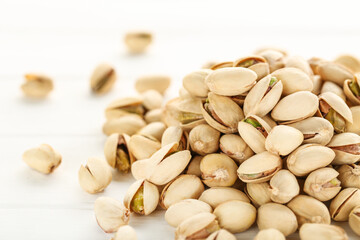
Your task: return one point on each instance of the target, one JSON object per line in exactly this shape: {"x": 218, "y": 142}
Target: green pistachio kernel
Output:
{"x": 355, "y": 88}
{"x": 122, "y": 160}
{"x": 253, "y": 122}
{"x": 137, "y": 203}
{"x": 273, "y": 81}
{"x": 336, "y": 120}
{"x": 247, "y": 63}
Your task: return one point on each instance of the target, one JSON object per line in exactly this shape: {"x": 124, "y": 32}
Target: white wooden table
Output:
{"x": 66, "y": 39}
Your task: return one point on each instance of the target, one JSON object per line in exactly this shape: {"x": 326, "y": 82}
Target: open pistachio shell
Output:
{"x": 204, "y": 139}
{"x": 293, "y": 80}
{"x": 349, "y": 175}
{"x": 283, "y": 140}
{"x": 219, "y": 65}
{"x": 334, "y": 88}
{"x": 143, "y": 147}
{"x": 154, "y": 130}
{"x": 102, "y": 78}
{"x": 258, "y": 193}
{"x": 355, "y": 126}
{"x": 343, "y": 203}
{"x": 259, "y": 168}
{"x": 354, "y": 220}
{"x": 195, "y": 84}
{"x": 231, "y": 81}
{"x": 283, "y": 187}
{"x": 274, "y": 57}
{"x": 269, "y": 234}
{"x": 320, "y": 231}
{"x": 124, "y": 106}
{"x": 299, "y": 63}
{"x": 352, "y": 89}
{"x": 256, "y": 63}
{"x": 221, "y": 234}
{"x": 175, "y": 134}
{"x": 235, "y": 147}
{"x": 334, "y": 72}
{"x": 346, "y": 147}
{"x": 217, "y": 195}
{"x": 128, "y": 124}
{"x": 349, "y": 61}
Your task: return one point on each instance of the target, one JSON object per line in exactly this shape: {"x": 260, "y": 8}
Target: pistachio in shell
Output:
{"x": 194, "y": 166}
{"x": 157, "y": 82}
{"x": 352, "y": 89}
{"x": 258, "y": 193}
{"x": 256, "y": 63}
{"x": 142, "y": 146}
{"x": 195, "y": 84}
{"x": 334, "y": 72}
{"x": 153, "y": 115}
{"x": 217, "y": 195}
{"x": 282, "y": 140}
{"x": 355, "y": 126}
{"x": 334, "y": 88}
{"x": 153, "y": 130}
{"x": 349, "y": 175}
{"x": 204, "y": 139}
{"x": 221, "y": 234}
{"x": 102, "y": 78}
{"x": 235, "y": 147}
{"x": 349, "y": 61}
{"x": 125, "y": 233}
{"x": 37, "y": 85}
{"x": 299, "y": 63}
{"x": 321, "y": 231}
{"x": 218, "y": 65}
{"x": 293, "y": 80}
{"x": 175, "y": 134}
{"x": 124, "y": 106}
{"x": 269, "y": 234}
{"x": 137, "y": 42}
{"x": 343, "y": 203}
{"x": 346, "y": 147}
{"x": 354, "y": 220}
{"x": 283, "y": 187}
{"x": 274, "y": 57}
{"x": 151, "y": 99}
{"x": 128, "y": 124}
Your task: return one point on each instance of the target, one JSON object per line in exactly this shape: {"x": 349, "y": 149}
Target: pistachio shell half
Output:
{"x": 217, "y": 195}
{"x": 293, "y": 80}
{"x": 322, "y": 232}
{"x": 143, "y": 147}
{"x": 283, "y": 187}
{"x": 195, "y": 84}
{"x": 355, "y": 126}
{"x": 282, "y": 140}
{"x": 346, "y": 147}
{"x": 204, "y": 139}
{"x": 124, "y": 106}
{"x": 334, "y": 88}
{"x": 256, "y": 63}
{"x": 354, "y": 220}
{"x": 125, "y": 233}
{"x": 334, "y": 72}
{"x": 269, "y": 234}
{"x": 194, "y": 166}
{"x": 258, "y": 193}
{"x": 343, "y": 203}
{"x": 349, "y": 175}
{"x": 175, "y": 134}
{"x": 154, "y": 130}
{"x": 152, "y": 99}
{"x": 349, "y": 61}
{"x": 235, "y": 147}
{"x": 352, "y": 89}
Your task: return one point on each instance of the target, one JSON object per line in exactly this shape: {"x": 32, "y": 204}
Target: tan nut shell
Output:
{"x": 343, "y": 203}
{"x": 330, "y": 71}
{"x": 195, "y": 84}
{"x": 349, "y": 61}
{"x": 152, "y": 99}
{"x": 283, "y": 140}
{"x": 258, "y": 193}
{"x": 299, "y": 63}
{"x": 318, "y": 82}
{"x": 137, "y": 42}
{"x": 37, "y": 85}
{"x": 322, "y": 232}
{"x": 355, "y": 126}
{"x": 174, "y": 134}
{"x": 274, "y": 57}
{"x": 157, "y": 82}
{"x": 349, "y": 175}
{"x": 349, "y": 94}
{"x": 102, "y": 78}
{"x": 334, "y": 88}
{"x": 344, "y": 139}
{"x": 235, "y": 147}
{"x": 283, "y": 187}
{"x": 217, "y": 195}
{"x": 125, "y": 233}
{"x": 143, "y": 147}
{"x": 337, "y": 104}
{"x": 269, "y": 234}
{"x": 221, "y": 234}
{"x": 111, "y": 145}
{"x": 117, "y": 108}
{"x": 154, "y": 129}
{"x": 261, "y": 68}
{"x": 293, "y": 80}
{"x": 354, "y": 220}
{"x": 194, "y": 166}
{"x": 153, "y": 115}
{"x": 267, "y": 118}
{"x": 218, "y": 65}
{"x": 129, "y": 124}
{"x": 204, "y": 139}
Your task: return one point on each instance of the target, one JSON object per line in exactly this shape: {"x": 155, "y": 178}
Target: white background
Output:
{"x": 66, "y": 39}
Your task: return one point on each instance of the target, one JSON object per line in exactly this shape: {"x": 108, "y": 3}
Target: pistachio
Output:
{"x": 153, "y": 115}
{"x": 354, "y": 220}
{"x": 309, "y": 210}
{"x": 283, "y": 187}
{"x": 293, "y": 80}
{"x": 218, "y": 170}
{"x": 349, "y": 61}
{"x": 334, "y": 72}
{"x": 157, "y": 82}
{"x": 352, "y": 89}
{"x": 183, "y": 187}
{"x": 221, "y": 234}
{"x": 219, "y": 65}
{"x": 235, "y": 216}
{"x": 152, "y": 99}
{"x": 343, "y": 203}
{"x": 322, "y": 232}
{"x": 274, "y": 57}
{"x": 195, "y": 84}
{"x": 267, "y": 118}
{"x": 128, "y": 124}
{"x": 95, "y": 176}
{"x": 355, "y": 126}
{"x": 154, "y": 130}
{"x": 137, "y": 42}
{"x": 194, "y": 166}
{"x": 346, "y": 147}
{"x": 283, "y": 140}
{"x": 185, "y": 209}
{"x": 102, "y": 78}
{"x": 258, "y": 193}
{"x": 199, "y": 226}
{"x": 143, "y": 147}
{"x": 322, "y": 184}
{"x": 142, "y": 197}
{"x": 110, "y": 214}
{"x": 125, "y": 233}
{"x": 124, "y": 106}
{"x": 349, "y": 175}
{"x": 231, "y": 81}
{"x": 37, "y": 85}
{"x": 175, "y": 134}
{"x": 235, "y": 147}
{"x": 283, "y": 215}
{"x": 256, "y": 63}
{"x": 318, "y": 82}
{"x": 43, "y": 159}
{"x": 208, "y": 64}
{"x": 259, "y": 168}
{"x": 299, "y": 63}
{"x": 308, "y": 158}
{"x": 204, "y": 139}
{"x": 217, "y": 195}
{"x": 334, "y": 88}
{"x": 269, "y": 234}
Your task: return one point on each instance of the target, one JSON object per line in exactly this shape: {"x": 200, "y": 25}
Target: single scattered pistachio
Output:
{"x": 116, "y": 151}
{"x": 218, "y": 170}
{"x": 322, "y": 184}
{"x": 37, "y": 85}
{"x": 195, "y": 84}
{"x": 266, "y": 218}
{"x": 125, "y": 233}
{"x": 102, "y": 78}
{"x": 320, "y": 231}
{"x": 354, "y": 220}
{"x": 334, "y": 72}
{"x": 142, "y": 197}
{"x": 269, "y": 234}
{"x": 314, "y": 62}
{"x": 293, "y": 80}
{"x": 349, "y": 61}
{"x": 355, "y": 126}
{"x": 217, "y": 195}
{"x": 154, "y": 130}
{"x": 221, "y": 234}
{"x": 137, "y": 42}
{"x": 185, "y": 209}
{"x": 194, "y": 166}
{"x": 256, "y": 63}
{"x": 183, "y": 187}
{"x": 124, "y": 106}
{"x": 143, "y": 147}
{"x": 152, "y": 99}
{"x": 299, "y": 63}
{"x": 235, "y": 216}
{"x": 274, "y": 57}
{"x": 282, "y": 140}
{"x": 110, "y": 214}
{"x": 343, "y": 203}
{"x": 43, "y": 159}
{"x": 199, "y": 226}
{"x": 157, "y": 82}
{"x": 153, "y": 115}
{"x": 219, "y": 65}
{"x": 175, "y": 134}
{"x": 318, "y": 82}
{"x": 346, "y": 147}
{"x": 352, "y": 89}
{"x": 258, "y": 193}
{"x": 283, "y": 187}
{"x": 204, "y": 139}
{"x": 221, "y": 113}
{"x": 259, "y": 168}
{"x": 309, "y": 210}
{"x": 308, "y": 158}
{"x": 95, "y": 176}
{"x": 334, "y": 88}
{"x": 129, "y": 124}
{"x": 235, "y": 147}
{"x": 349, "y": 175}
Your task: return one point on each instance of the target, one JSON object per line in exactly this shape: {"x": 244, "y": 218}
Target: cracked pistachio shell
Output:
{"x": 263, "y": 97}
{"x": 293, "y": 80}
{"x": 175, "y": 134}
{"x": 254, "y": 131}
{"x": 221, "y": 234}
{"x": 283, "y": 187}
{"x": 349, "y": 61}
{"x": 218, "y": 170}
{"x": 110, "y": 214}
{"x": 128, "y": 124}
{"x": 334, "y": 88}
{"x": 217, "y": 195}
{"x": 194, "y": 166}
{"x": 95, "y": 176}
{"x": 274, "y": 215}
{"x": 37, "y": 85}
{"x": 231, "y": 81}
{"x": 142, "y": 147}
{"x": 346, "y": 147}
{"x": 308, "y": 158}
{"x": 195, "y": 84}
{"x": 142, "y": 197}
{"x": 343, "y": 203}
{"x": 154, "y": 115}
{"x": 102, "y": 78}
{"x": 235, "y": 216}
{"x": 137, "y": 42}
{"x": 355, "y": 126}
{"x": 315, "y": 130}
{"x": 124, "y": 106}
{"x": 221, "y": 113}
{"x": 183, "y": 187}
{"x": 199, "y": 226}
{"x": 317, "y": 81}
{"x": 256, "y": 63}
{"x": 334, "y": 72}
{"x": 157, "y": 82}
{"x": 269, "y": 234}
{"x": 154, "y": 129}
{"x": 185, "y": 209}
{"x": 350, "y": 94}
{"x": 274, "y": 57}
{"x": 299, "y": 63}
{"x": 259, "y": 168}
{"x": 204, "y": 139}
{"x": 314, "y": 62}
{"x": 354, "y": 220}
{"x": 295, "y": 107}
{"x": 125, "y": 233}
{"x": 282, "y": 140}
{"x": 43, "y": 159}
{"x": 235, "y": 147}
{"x": 349, "y": 175}
{"x": 258, "y": 193}
{"x": 309, "y": 210}
{"x": 322, "y": 184}
{"x": 318, "y": 231}
{"x": 152, "y": 99}
{"x": 218, "y": 65}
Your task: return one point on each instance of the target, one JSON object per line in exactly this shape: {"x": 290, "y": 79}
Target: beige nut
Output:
{"x": 194, "y": 166}
{"x": 221, "y": 234}
{"x": 153, "y": 115}
{"x": 346, "y": 147}
{"x": 175, "y": 134}
{"x": 314, "y": 62}
{"x": 258, "y": 193}
{"x": 157, "y": 82}
{"x": 95, "y": 176}
{"x": 143, "y": 147}
{"x": 125, "y": 233}
{"x": 124, "y": 106}
{"x": 129, "y": 124}
{"x": 37, "y": 85}
{"x": 274, "y": 57}
{"x": 137, "y": 42}
{"x": 235, "y": 147}
{"x": 152, "y": 99}
{"x": 110, "y": 214}
{"x": 352, "y": 89}
{"x": 334, "y": 72}
{"x": 204, "y": 139}
{"x": 269, "y": 234}
{"x": 354, "y": 220}
{"x": 349, "y": 61}
{"x": 310, "y": 231}
{"x": 282, "y": 140}
{"x": 355, "y": 126}
{"x": 102, "y": 78}
{"x": 43, "y": 159}
{"x": 293, "y": 80}
{"x": 343, "y": 203}
{"x": 334, "y": 88}
{"x": 349, "y": 175}
{"x": 256, "y": 63}
{"x": 299, "y": 63}
{"x": 214, "y": 196}
{"x": 195, "y": 84}
{"x": 283, "y": 187}
{"x": 318, "y": 82}
{"x": 154, "y": 130}
{"x": 268, "y": 119}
